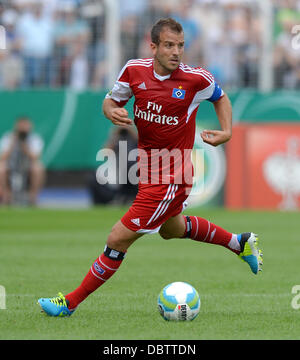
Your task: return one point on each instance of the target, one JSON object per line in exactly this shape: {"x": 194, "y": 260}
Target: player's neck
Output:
{"x": 161, "y": 70}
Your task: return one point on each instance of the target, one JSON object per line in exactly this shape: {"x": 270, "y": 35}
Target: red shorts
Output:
{"x": 154, "y": 205}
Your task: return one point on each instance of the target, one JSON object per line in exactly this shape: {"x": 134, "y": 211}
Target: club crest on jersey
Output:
{"x": 178, "y": 93}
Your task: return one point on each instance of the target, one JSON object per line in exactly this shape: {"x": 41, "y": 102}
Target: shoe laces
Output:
{"x": 59, "y": 300}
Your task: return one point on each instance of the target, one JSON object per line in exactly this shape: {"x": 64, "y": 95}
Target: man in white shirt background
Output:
{"x": 20, "y": 165}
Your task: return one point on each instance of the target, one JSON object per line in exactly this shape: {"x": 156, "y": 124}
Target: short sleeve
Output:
{"x": 217, "y": 93}
{"x": 121, "y": 91}
{"x": 208, "y": 88}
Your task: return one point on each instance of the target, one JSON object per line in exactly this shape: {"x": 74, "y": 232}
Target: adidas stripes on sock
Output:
{"x": 200, "y": 229}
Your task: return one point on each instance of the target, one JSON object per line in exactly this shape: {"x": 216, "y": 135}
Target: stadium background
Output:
{"x": 246, "y": 45}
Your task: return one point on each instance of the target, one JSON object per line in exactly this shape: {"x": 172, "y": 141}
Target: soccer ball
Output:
{"x": 178, "y": 301}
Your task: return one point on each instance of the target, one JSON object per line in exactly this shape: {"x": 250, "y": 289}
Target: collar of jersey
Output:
{"x": 161, "y": 78}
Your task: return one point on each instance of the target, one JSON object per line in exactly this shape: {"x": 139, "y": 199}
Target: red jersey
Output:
{"x": 165, "y": 109}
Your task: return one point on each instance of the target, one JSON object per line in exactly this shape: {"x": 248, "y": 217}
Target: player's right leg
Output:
{"x": 119, "y": 240}
{"x": 245, "y": 245}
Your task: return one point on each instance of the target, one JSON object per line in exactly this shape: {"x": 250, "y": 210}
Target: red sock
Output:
{"x": 101, "y": 270}
{"x": 200, "y": 229}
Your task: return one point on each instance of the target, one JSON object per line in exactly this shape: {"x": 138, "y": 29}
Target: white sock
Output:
{"x": 234, "y": 243}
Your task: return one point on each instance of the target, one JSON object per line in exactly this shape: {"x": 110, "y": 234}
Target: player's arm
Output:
{"x": 115, "y": 113}
{"x": 115, "y": 100}
{"x": 223, "y": 110}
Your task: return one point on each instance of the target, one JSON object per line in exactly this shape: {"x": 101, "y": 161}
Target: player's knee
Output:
{"x": 113, "y": 241}
{"x": 120, "y": 238}
{"x": 165, "y": 234}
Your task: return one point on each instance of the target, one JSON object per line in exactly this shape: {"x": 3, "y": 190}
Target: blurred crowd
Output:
{"x": 61, "y": 43}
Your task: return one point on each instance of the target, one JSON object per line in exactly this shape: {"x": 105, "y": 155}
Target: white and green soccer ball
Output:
{"x": 179, "y": 301}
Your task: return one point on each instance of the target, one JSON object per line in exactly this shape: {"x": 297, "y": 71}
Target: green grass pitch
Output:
{"x": 46, "y": 251}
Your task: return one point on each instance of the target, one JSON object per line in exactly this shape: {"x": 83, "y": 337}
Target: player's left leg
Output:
{"x": 199, "y": 229}
{"x": 106, "y": 265}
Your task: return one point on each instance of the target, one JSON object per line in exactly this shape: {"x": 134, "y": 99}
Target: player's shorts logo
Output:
{"x": 178, "y": 94}
{"x": 136, "y": 221}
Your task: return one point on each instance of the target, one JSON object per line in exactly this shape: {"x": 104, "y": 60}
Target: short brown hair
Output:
{"x": 160, "y": 24}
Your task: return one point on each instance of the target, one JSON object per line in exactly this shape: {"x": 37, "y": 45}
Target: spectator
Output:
{"x": 1, "y": 9}
{"x": 61, "y": 39}
{"x": 220, "y": 53}
{"x": 155, "y": 9}
{"x": 71, "y": 34}
{"x": 36, "y": 33}
{"x": 191, "y": 31}
{"x": 20, "y": 165}
{"x": 129, "y": 38}
{"x": 11, "y": 64}
{"x": 79, "y": 68}
{"x": 132, "y": 7}
{"x": 246, "y": 43}
{"x": 94, "y": 14}
{"x": 99, "y": 78}
{"x": 286, "y": 59}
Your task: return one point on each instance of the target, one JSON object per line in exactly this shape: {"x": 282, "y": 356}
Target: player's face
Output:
{"x": 168, "y": 53}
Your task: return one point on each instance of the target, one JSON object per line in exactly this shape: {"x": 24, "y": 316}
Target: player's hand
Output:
{"x": 215, "y": 137}
{"x": 119, "y": 116}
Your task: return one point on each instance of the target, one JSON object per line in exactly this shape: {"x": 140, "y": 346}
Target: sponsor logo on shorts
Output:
{"x": 136, "y": 221}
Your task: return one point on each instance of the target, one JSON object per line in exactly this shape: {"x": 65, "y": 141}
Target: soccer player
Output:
{"x": 167, "y": 96}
